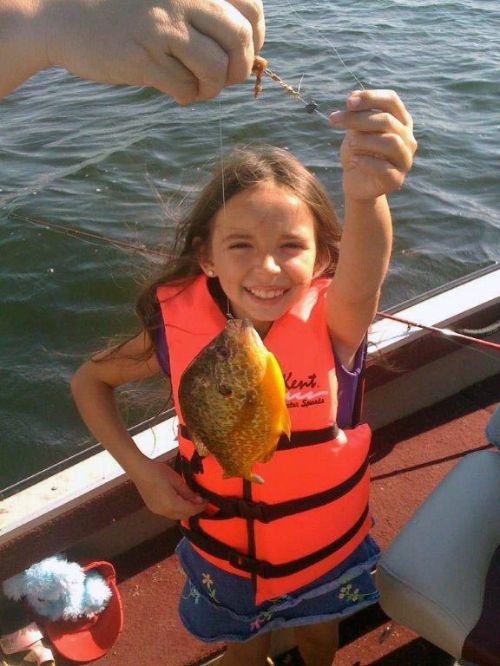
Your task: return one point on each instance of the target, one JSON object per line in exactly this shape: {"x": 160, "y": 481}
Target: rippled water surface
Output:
{"x": 122, "y": 162}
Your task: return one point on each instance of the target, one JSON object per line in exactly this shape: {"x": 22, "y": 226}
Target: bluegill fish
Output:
{"x": 232, "y": 400}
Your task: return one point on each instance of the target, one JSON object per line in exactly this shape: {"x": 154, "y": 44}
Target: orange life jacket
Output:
{"x": 312, "y": 510}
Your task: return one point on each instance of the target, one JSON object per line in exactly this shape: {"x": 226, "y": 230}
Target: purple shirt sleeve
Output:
{"x": 347, "y": 379}
{"x": 162, "y": 350}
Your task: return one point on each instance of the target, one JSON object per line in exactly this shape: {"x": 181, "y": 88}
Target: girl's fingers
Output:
{"x": 383, "y": 100}
{"x": 186, "y": 511}
{"x": 375, "y": 122}
{"x": 367, "y": 121}
{"x": 388, "y": 177}
{"x": 387, "y": 147}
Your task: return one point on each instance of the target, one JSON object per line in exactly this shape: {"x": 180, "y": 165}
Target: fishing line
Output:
{"x": 317, "y": 31}
{"x": 310, "y": 107}
{"x": 229, "y": 314}
{"x": 222, "y": 160}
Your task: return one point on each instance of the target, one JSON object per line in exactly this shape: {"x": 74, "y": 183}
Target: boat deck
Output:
{"x": 410, "y": 457}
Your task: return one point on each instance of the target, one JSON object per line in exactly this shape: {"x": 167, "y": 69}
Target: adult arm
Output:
{"x": 376, "y": 154}
{"x": 162, "y": 489}
{"x": 188, "y": 49}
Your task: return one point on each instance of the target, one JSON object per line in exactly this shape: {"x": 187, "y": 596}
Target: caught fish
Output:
{"x": 232, "y": 400}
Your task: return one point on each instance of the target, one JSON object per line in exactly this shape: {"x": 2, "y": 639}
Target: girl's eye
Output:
{"x": 239, "y": 246}
{"x": 293, "y": 245}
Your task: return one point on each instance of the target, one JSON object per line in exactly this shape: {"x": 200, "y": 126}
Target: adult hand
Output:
{"x": 377, "y": 151}
{"x": 188, "y": 49}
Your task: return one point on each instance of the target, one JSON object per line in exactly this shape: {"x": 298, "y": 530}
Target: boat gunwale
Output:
{"x": 117, "y": 490}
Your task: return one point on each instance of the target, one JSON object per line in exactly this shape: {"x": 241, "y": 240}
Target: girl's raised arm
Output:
{"x": 376, "y": 154}
{"x": 163, "y": 491}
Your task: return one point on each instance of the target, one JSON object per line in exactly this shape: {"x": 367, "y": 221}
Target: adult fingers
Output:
{"x": 194, "y": 69}
{"x": 232, "y": 34}
{"x": 205, "y": 59}
{"x": 172, "y": 78}
{"x": 253, "y": 11}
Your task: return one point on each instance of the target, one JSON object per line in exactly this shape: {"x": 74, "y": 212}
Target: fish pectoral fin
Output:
{"x": 247, "y": 413}
{"x": 240, "y": 463}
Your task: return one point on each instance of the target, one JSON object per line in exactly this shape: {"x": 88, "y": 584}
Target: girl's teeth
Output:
{"x": 266, "y": 294}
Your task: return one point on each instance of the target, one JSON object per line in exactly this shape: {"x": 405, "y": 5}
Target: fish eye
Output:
{"x": 222, "y": 353}
{"x": 225, "y": 390}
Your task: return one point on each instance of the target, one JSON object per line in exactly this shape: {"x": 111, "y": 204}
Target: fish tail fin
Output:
{"x": 248, "y": 476}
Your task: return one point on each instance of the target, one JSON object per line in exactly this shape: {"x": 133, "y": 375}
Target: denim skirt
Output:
{"x": 217, "y": 606}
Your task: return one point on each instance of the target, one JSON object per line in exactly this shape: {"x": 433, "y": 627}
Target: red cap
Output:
{"x": 86, "y": 640}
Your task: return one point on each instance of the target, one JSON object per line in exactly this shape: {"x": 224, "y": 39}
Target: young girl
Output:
{"x": 263, "y": 243}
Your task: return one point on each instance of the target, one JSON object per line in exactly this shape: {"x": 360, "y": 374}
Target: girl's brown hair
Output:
{"x": 243, "y": 168}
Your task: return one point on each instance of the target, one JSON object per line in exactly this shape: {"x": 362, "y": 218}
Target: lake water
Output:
{"x": 121, "y": 161}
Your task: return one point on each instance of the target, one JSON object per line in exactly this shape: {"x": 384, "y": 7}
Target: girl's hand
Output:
{"x": 164, "y": 491}
{"x": 379, "y": 145}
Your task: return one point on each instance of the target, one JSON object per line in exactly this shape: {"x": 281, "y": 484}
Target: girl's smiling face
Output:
{"x": 263, "y": 250}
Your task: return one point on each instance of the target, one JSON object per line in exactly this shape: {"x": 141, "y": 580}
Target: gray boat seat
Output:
{"x": 440, "y": 576}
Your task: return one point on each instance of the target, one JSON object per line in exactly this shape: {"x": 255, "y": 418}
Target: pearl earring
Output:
{"x": 211, "y": 273}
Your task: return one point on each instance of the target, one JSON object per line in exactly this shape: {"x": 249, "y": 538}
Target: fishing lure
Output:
{"x": 260, "y": 68}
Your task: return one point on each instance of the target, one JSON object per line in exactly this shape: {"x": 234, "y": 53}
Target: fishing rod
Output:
{"x": 445, "y": 332}
{"x": 143, "y": 249}
{"x": 92, "y": 236}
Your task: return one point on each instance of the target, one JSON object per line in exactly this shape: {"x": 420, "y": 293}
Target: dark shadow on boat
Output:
{"x": 361, "y": 623}
{"x": 417, "y": 653}
{"x": 146, "y": 554}
{"x": 480, "y": 396}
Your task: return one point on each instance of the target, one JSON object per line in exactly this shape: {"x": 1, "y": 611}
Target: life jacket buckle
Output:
{"x": 196, "y": 463}
{"x": 246, "y": 563}
{"x": 252, "y": 510}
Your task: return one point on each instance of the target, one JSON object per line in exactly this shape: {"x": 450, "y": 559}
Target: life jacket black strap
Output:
{"x": 231, "y": 507}
{"x": 263, "y": 568}
{"x": 298, "y": 438}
